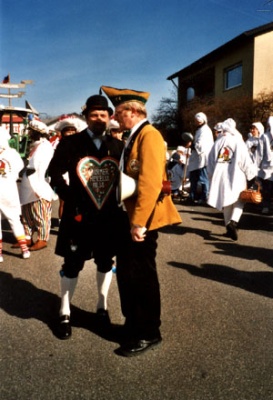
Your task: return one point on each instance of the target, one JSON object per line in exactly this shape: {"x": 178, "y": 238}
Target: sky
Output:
{"x": 69, "y": 48}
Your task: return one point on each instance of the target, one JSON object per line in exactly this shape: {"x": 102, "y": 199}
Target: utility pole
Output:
{"x": 6, "y": 84}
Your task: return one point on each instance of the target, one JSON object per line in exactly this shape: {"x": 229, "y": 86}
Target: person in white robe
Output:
{"x": 266, "y": 167}
{"x": 201, "y": 146}
{"x": 10, "y": 166}
{"x": 35, "y": 192}
{"x": 229, "y": 168}
{"x": 255, "y": 141}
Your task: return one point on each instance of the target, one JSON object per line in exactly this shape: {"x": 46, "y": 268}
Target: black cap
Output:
{"x": 187, "y": 137}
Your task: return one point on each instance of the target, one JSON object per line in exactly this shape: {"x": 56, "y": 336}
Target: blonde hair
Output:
{"x": 137, "y": 105}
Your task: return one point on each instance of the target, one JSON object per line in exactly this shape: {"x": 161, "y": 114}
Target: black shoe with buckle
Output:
{"x": 64, "y": 327}
{"x": 138, "y": 347}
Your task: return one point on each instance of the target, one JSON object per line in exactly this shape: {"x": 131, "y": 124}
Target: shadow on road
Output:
{"x": 253, "y": 222}
{"x": 22, "y": 299}
{"x": 182, "y": 230}
{"x": 258, "y": 282}
{"x": 251, "y": 253}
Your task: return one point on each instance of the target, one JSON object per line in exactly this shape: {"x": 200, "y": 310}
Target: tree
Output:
{"x": 263, "y": 106}
{"x": 166, "y": 119}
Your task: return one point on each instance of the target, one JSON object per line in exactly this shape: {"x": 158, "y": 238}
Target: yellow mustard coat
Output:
{"x": 147, "y": 164}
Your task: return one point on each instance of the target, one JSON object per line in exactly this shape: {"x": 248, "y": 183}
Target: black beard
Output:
{"x": 98, "y": 127}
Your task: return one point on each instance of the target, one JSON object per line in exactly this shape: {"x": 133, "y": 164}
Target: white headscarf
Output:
{"x": 269, "y": 129}
{"x": 201, "y": 117}
{"x": 229, "y": 125}
{"x": 218, "y": 127}
{"x": 259, "y": 126}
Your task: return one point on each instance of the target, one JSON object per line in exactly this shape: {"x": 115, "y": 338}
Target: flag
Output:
{"x": 6, "y": 79}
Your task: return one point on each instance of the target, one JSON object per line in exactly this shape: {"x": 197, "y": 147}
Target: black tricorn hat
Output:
{"x": 96, "y": 102}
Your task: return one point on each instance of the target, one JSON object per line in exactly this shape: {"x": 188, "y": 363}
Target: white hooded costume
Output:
{"x": 34, "y": 185}
{"x": 255, "y": 145}
{"x": 35, "y": 192}
{"x": 10, "y": 166}
{"x": 203, "y": 142}
{"x": 229, "y": 167}
{"x": 266, "y": 166}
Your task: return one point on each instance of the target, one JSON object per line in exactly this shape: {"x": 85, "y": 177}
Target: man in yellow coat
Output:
{"x": 144, "y": 159}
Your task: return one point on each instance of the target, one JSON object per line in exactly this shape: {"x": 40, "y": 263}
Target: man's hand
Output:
{"x": 138, "y": 233}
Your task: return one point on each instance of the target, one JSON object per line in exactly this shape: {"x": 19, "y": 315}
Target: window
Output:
{"x": 233, "y": 76}
{"x": 190, "y": 94}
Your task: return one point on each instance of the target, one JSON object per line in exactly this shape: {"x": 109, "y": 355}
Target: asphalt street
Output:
{"x": 217, "y": 320}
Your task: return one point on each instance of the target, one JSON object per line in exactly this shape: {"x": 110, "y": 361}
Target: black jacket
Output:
{"x": 82, "y": 221}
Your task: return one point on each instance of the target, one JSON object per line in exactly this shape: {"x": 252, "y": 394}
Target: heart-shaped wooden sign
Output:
{"x": 98, "y": 177}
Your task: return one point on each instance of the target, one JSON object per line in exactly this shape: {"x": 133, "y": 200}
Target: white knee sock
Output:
{"x": 227, "y": 211}
{"x": 67, "y": 290}
{"x": 237, "y": 211}
{"x": 103, "y": 282}
{"x": 233, "y": 212}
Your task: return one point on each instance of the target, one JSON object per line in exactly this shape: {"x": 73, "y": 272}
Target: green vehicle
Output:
{"x": 19, "y": 142}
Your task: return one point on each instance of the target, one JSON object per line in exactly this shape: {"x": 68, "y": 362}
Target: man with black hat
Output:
{"x": 144, "y": 159}
{"x": 91, "y": 212}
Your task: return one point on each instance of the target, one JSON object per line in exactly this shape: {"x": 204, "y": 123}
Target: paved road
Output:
{"x": 217, "y": 321}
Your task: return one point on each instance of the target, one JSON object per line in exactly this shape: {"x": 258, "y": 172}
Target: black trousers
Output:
{"x": 138, "y": 285}
{"x": 94, "y": 237}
